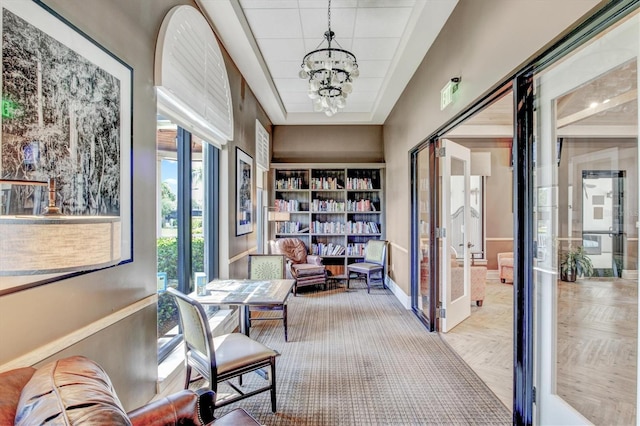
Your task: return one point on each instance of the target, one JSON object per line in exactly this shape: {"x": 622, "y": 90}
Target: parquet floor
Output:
{"x": 485, "y": 340}
{"x": 596, "y": 346}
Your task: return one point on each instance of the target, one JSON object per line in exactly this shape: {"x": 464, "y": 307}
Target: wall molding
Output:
{"x": 242, "y": 255}
{"x": 402, "y": 249}
{"x": 57, "y": 345}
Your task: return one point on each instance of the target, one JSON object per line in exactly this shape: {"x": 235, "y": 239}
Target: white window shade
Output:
{"x": 262, "y": 147}
{"x": 191, "y": 78}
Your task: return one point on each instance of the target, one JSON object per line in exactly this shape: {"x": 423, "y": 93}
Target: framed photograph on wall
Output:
{"x": 66, "y": 116}
{"x": 244, "y": 189}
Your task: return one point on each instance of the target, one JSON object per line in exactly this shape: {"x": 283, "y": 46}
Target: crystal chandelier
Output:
{"x": 330, "y": 72}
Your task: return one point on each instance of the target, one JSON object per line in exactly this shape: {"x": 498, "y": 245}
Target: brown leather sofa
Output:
{"x": 77, "y": 391}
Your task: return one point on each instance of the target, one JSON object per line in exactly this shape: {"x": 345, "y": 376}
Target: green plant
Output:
{"x": 168, "y": 255}
{"x": 167, "y": 314}
{"x": 576, "y": 260}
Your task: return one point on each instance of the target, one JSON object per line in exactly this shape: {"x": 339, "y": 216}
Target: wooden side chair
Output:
{"x": 373, "y": 266}
{"x": 268, "y": 267}
{"x": 220, "y": 359}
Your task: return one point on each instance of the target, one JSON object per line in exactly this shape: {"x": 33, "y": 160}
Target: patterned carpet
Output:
{"x": 362, "y": 359}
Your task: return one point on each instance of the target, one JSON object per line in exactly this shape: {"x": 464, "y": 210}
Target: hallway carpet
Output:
{"x": 362, "y": 359}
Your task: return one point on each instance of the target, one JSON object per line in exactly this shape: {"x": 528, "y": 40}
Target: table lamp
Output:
{"x": 56, "y": 243}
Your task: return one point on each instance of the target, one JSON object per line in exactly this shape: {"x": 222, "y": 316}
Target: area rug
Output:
{"x": 362, "y": 359}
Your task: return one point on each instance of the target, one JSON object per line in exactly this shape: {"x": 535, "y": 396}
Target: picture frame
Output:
{"x": 67, "y": 106}
{"x": 244, "y": 191}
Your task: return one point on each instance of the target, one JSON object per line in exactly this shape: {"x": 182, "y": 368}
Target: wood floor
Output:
{"x": 485, "y": 340}
{"x": 596, "y": 346}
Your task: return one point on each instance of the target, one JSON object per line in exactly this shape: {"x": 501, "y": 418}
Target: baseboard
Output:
{"x": 629, "y": 274}
{"x": 404, "y": 299}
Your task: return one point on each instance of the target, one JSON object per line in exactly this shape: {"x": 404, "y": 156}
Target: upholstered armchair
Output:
{"x": 478, "y": 280}
{"x": 505, "y": 267}
{"x": 306, "y": 269}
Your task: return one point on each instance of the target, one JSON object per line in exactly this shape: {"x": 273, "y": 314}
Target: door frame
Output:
{"x": 561, "y": 80}
{"x": 455, "y": 311}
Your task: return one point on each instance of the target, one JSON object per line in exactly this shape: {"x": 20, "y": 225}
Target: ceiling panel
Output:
{"x": 267, "y": 40}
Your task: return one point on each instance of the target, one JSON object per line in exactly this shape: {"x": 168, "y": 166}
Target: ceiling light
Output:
{"x": 330, "y": 72}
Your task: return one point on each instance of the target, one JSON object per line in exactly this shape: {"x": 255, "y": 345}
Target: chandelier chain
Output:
{"x": 330, "y": 72}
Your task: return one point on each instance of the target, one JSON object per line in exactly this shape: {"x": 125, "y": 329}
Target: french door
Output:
{"x": 586, "y": 150}
{"x": 455, "y": 288}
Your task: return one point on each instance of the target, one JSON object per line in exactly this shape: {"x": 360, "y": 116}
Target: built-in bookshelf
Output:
{"x": 334, "y": 210}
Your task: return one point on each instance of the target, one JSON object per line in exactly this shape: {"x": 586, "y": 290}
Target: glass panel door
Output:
{"x": 423, "y": 301}
{"x": 586, "y": 179}
{"x": 455, "y": 288}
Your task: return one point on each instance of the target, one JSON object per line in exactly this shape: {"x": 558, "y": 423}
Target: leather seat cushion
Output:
{"x": 235, "y": 350}
{"x": 70, "y": 391}
{"x": 364, "y": 267}
{"x": 306, "y": 270}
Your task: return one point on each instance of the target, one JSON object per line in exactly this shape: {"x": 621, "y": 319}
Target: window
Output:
{"x": 186, "y": 248}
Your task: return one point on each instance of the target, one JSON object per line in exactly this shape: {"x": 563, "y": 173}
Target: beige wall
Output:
{"x": 483, "y": 42}
{"x": 327, "y": 144}
{"x": 85, "y": 307}
{"x": 245, "y": 112}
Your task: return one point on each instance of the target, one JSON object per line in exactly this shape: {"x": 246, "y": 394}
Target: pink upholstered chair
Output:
{"x": 505, "y": 267}
{"x": 478, "y": 280}
{"x": 303, "y": 267}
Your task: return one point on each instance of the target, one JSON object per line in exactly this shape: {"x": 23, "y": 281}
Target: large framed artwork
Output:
{"x": 244, "y": 189}
{"x": 65, "y": 145}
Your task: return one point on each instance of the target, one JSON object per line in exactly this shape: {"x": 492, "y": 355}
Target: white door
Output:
{"x": 455, "y": 282}
{"x": 586, "y": 345}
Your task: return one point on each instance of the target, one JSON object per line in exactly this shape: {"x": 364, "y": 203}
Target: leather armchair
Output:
{"x": 303, "y": 267}
{"x": 76, "y": 390}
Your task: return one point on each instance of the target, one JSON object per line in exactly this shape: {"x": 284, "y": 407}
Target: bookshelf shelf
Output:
{"x": 335, "y": 209}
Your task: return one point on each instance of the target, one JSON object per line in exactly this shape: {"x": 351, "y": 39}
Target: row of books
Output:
{"x": 318, "y": 227}
{"x": 287, "y": 205}
{"x": 362, "y": 228}
{"x": 330, "y": 249}
{"x": 359, "y": 183}
{"x": 360, "y": 206}
{"x": 290, "y": 183}
{"x": 356, "y": 249}
{"x": 326, "y": 183}
{"x": 327, "y": 206}
{"x": 290, "y": 227}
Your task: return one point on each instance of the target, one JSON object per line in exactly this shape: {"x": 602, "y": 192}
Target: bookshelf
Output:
{"x": 335, "y": 209}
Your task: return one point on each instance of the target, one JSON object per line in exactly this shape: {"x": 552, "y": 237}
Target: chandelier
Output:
{"x": 330, "y": 72}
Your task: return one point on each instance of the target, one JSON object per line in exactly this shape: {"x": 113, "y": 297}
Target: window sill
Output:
{"x": 171, "y": 369}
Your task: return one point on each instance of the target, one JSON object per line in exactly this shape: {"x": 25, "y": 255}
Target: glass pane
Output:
{"x": 424, "y": 219}
{"x": 457, "y": 205}
{"x": 586, "y": 212}
{"x": 167, "y": 226}
{"x": 197, "y": 211}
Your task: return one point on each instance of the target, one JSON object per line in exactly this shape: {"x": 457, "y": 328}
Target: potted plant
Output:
{"x": 575, "y": 263}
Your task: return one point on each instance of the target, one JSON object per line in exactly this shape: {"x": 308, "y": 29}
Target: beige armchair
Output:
{"x": 303, "y": 267}
{"x": 478, "y": 280}
{"x": 505, "y": 267}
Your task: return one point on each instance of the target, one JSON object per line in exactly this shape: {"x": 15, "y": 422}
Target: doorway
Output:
{"x": 485, "y": 338}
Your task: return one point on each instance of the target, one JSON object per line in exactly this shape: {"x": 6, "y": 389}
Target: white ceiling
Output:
{"x": 267, "y": 40}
